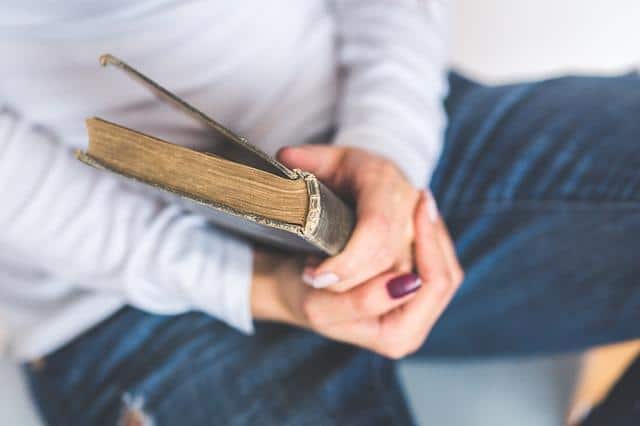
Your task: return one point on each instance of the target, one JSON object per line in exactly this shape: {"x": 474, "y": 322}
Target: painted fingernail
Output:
{"x": 432, "y": 207}
{"x": 403, "y": 285}
{"x": 320, "y": 281}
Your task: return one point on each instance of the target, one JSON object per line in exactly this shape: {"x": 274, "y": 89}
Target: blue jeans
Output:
{"x": 539, "y": 184}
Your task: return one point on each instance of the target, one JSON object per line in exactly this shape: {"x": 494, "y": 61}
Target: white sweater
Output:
{"x": 77, "y": 244}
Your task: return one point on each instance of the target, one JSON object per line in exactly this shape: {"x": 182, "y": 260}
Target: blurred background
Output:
{"x": 496, "y": 41}
{"x": 503, "y": 40}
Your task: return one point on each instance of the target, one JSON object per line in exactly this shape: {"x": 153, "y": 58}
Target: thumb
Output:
{"x": 321, "y": 160}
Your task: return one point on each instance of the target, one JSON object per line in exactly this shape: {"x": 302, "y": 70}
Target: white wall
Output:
{"x": 513, "y": 39}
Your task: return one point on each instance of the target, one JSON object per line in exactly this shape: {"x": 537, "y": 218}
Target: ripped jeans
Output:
{"x": 539, "y": 184}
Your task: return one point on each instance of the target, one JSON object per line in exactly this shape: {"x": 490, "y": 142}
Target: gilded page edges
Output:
{"x": 290, "y": 227}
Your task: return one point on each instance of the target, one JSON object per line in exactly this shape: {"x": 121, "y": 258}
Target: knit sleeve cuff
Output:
{"x": 228, "y": 296}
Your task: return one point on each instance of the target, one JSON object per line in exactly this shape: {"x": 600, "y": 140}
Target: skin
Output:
{"x": 382, "y": 239}
{"x": 363, "y": 313}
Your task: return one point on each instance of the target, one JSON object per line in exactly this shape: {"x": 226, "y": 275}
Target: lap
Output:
{"x": 193, "y": 370}
{"x": 570, "y": 138}
{"x": 540, "y": 186}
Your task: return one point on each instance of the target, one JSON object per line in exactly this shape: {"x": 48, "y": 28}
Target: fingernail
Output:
{"x": 403, "y": 285}
{"x": 320, "y": 281}
{"x": 432, "y": 207}
{"x": 307, "y": 278}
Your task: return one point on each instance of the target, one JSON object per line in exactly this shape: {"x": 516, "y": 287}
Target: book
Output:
{"x": 252, "y": 193}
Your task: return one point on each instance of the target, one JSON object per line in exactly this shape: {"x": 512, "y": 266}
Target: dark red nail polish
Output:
{"x": 403, "y": 285}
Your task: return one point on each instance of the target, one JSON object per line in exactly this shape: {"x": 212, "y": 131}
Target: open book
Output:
{"x": 253, "y": 194}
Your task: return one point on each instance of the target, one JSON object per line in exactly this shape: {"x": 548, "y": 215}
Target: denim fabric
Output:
{"x": 540, "y": 186}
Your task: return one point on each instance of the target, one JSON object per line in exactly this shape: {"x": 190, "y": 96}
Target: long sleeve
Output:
{"x": 90, "y": 229}
{"x": 393, "y": 58}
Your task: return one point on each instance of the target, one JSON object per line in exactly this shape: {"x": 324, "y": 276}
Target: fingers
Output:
{"x": 403, "y": 330}
{"x": 369, "y": 300}
{"x": 369, "y": 315}
{"x": 368, "y": 253}
{"x": 449, "y": 251}
{"x": 380, "y": 242}
{"x": 382, "y": 236}
{"x": 431, "y": 259}
{"x": 445, "y": 241}
{"x": 321, "y": 160}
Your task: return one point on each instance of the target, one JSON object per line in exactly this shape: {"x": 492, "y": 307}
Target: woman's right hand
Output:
{"x": 389, "y": 314}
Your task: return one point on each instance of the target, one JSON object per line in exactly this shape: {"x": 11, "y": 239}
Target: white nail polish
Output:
{"x": 322, "y": 280}
{"x": 307, "y": 279}
{"x": 432, "y": 208}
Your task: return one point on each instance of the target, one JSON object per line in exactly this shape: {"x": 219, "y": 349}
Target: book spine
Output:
{"x": 330, "y": 220}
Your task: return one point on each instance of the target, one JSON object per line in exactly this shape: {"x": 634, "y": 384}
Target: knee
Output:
{"x": 596, "y": 108}
{"x": 586, "y": 131}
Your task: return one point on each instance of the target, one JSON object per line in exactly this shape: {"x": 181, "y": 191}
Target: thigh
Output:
{"x": 540, "y": 186}
{"x": 141, "y": 369}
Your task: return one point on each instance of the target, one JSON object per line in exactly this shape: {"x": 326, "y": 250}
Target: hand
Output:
{"x": 390, "y": 314}
{"x": 383, "y": 235}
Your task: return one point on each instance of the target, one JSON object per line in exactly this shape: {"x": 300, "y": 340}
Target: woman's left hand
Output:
{"x": 385, "y": 201}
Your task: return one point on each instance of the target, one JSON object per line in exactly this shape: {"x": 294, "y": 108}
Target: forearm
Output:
{"x": 394, "y": 57}
{"x": 87, "y": 227}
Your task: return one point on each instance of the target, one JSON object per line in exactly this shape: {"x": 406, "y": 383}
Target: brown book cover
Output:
{"x": 254, "y": 194}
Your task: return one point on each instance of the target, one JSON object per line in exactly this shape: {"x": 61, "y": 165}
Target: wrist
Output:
{"x": 414, "y": 164}
{"x": 266, "y": 301}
